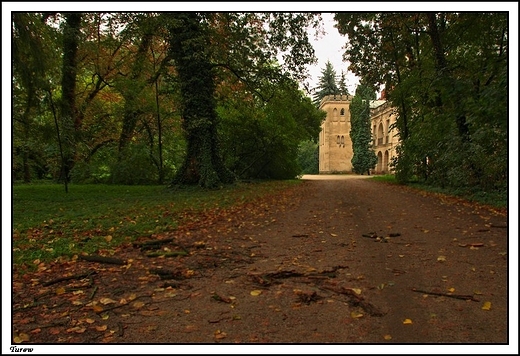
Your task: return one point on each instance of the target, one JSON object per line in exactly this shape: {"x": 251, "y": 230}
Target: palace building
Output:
{"x": 335, "y": 145}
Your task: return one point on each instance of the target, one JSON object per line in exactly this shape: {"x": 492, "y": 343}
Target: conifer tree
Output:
{"x": 343, "y": 84}
{"x": 364, "y": 157}
{"x": 327, "y": 84}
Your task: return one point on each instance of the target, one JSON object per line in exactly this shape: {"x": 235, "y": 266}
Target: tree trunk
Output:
{"x": 131, "y": 112}
{"x": 189, "y": 42}
{"x": 70, "y": 123}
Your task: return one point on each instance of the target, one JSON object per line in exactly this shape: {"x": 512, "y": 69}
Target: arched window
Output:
{"x": 343, "y": 140}
{"x": 335, "y": 114}
{"x": 342, "y": 112}
{"x": 380, "y": 134}
{"x": 338, "y": 140}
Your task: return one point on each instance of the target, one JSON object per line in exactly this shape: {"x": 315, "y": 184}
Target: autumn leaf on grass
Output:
{"x": 486, "y": 306}
{"x": 407, "y": 321}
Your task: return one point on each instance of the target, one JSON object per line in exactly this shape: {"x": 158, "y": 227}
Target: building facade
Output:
{"x": 335, "y": 145}
{"x": 384, "y": 136}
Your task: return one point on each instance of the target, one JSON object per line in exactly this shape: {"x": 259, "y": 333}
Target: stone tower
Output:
{"x": 335, "y": 145}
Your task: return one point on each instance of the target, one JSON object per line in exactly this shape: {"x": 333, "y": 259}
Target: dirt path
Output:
{"x": 332, "y": 261}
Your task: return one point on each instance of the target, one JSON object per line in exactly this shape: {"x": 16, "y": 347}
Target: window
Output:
{"x": 342, "y": 112}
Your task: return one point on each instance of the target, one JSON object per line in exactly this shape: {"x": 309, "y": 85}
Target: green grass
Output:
{"x": 49, "y": 223}
{"x": 387, "y": 178}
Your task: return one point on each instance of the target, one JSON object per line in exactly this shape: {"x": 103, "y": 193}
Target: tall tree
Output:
{"x": 441, "y": 71}
{"x": 327, "y": 84}
{"x": 364, "y": 158}
{"x": 31, "y": 59}
{"x": 343, "y": 84}
{"x": 204, "y": 44}
{"x": 69, "y": 119}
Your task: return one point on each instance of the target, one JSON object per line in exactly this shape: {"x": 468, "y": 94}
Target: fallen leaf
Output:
{"x": 132, "y": 297}
{"x": 60, "y": 290}
{"x": 256, "y": 292}
{"x": 486, "y": 306}
{"x": 108, "y": 238}
{"x": 106, "y": 301}
{"x": 407, "y": 321}
{"x": 441, "y": 258}
{"x": 137, "y": 305}
{"x": 36, "y": 331}
{"x": 97, "y": 308}
{"x": 333, "y": 235}
{"x": 90, "y": 321}
{"x": 387, "y": 337}
{"x": 355, "y": 315}
{"x": 220, "y": 334}
{"x": 77, "y": 330}
{"x": 105, "y": 316}
{"x": 356, "y": 290}
{"x": 101, "y": 328}
{"x": 24, "y": 336}
{"x": 451, "y": 290}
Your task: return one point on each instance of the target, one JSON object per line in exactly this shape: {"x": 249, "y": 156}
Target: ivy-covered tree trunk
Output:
{"x": 189, "y": 46}
{"x": 69, "y": 119}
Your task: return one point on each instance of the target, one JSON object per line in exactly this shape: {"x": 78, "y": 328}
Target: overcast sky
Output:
{"x": 329, "y": 48}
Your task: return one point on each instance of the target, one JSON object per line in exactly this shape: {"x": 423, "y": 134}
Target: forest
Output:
{"x": 208, "y": 98}
{"x": 140, "y": 98}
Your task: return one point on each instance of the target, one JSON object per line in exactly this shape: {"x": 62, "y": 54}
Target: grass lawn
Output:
{"x": 49, "y": 223}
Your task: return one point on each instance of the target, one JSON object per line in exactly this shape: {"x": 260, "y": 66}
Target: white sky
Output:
{"x": 330, "y": 48}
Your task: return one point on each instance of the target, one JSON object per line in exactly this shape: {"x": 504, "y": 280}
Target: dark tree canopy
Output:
{"x": 446, "y": 74}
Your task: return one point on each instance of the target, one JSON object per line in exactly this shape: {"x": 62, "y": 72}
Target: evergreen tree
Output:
{"x": 343, "y": 84}
{"x": 327, "y": 84}
{"x": 364, "y": 157}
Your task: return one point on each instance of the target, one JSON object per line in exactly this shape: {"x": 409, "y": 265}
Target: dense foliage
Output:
{"x": 446, "y": 74}
{"x": 364, "y": 158}
{"x": 134, "y": 98}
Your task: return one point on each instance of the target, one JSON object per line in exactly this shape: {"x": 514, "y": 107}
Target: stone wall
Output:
{"x": 335, "y": 145}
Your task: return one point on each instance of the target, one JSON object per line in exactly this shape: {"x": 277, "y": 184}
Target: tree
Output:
{"x": 343, "y": 84}
{"x": 442, "y": 72}
{"x": 68, "y": 111}
{"x": 204, "y": 44}
{"x": 326, "y": 84}
{"x": 364, "y": 158}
